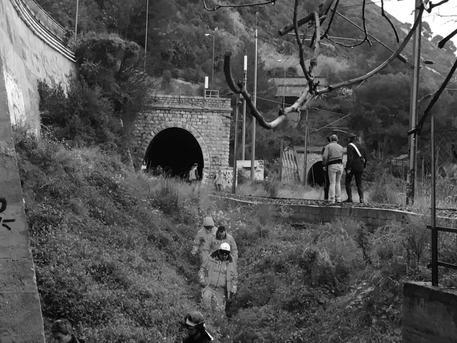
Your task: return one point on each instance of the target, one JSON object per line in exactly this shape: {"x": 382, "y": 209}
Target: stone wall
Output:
{"x": 29, "y": 52}
{"x": 429, "y": 314}
{"x": 207, "y": 119}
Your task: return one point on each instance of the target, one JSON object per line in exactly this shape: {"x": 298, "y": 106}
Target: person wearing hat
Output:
{"x": 62, "y": 332}
{"x": 203, "y": 238}
{"x": 221, "y": 237}
{"x": 195, "y": 324}
{"x": 356, "y": 163}
{"x": 219, "y": 277}
{"x": 333, "y": 159}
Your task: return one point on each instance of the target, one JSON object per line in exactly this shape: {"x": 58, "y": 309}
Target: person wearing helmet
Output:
{"x": 219, "y": 278}
{"x": 221, "y": 237}
{"x": 203, "y": 239}
{"x": 195, "y": 324}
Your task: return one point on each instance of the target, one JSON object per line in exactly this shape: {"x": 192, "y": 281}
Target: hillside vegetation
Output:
{"x": 112, "y": 254}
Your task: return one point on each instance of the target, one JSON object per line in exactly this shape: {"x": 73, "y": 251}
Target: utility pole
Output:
{"x": 245, "y": 82}
{"x": 235, "y": 145}
{"x": 146, "y": 36}
{"x": 413, "y": 107}
{"x": 76, "y": 20}
{"x": 254, "y": 121}
{"x": 305, "y": 153}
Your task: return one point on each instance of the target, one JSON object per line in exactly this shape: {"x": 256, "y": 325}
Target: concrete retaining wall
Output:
{"x": 20, "y": 311}
{"x": 429, "y": 314}
{"x": 29, "y": 53}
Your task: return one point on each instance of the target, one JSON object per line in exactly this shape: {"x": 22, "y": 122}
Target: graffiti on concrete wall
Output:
{"x": 5, "y": 222}
{"x": 16, "y": 103}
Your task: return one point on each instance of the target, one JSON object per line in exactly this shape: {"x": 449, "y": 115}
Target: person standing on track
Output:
{"x": 333, "y": 159}
{"x": 356, "y": 163}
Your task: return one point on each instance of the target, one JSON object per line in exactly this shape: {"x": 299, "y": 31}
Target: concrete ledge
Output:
{"x": 429, "y": 314}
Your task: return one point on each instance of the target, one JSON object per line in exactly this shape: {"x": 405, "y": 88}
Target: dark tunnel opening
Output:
{"x": 316, "y": 175}
{"x": 172, "y": 152}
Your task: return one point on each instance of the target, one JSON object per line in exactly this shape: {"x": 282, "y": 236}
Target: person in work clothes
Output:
{"x": 221, "y": 237}
{"x": 193, "y": 173}
{"x": 203, "y": 239}
{"x": 333, "y": 159}
{"x": 219, "y": 278}
{"x": 195, "y": 325}
{"x": 356, "y": 163}
{"x": 62, "y": 332}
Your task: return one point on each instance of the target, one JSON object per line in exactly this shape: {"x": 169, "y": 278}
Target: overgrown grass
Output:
{"x": 111, "y": 247}
{"x": 112, "y": 254}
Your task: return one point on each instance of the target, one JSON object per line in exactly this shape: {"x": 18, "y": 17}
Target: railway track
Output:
{"x": 440, "y": 212}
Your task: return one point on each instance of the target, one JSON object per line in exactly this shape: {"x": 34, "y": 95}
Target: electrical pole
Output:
{"x": 305, "y": 153}
{"x": 254, "y": 121}
{"x": 413, "y": 107}
{"x": 245, "y": 82}
{"x": 76, "y": 20}
{"x": 146, "y": 36}
{"x": 235, "y": 145}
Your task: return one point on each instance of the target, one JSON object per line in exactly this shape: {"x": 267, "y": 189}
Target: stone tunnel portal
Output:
{"x": 174, "y": 150}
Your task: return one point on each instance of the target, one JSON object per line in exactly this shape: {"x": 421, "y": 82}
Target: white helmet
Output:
{"x": 225, "y": 246}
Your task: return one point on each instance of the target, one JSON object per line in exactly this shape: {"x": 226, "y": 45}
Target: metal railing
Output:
{"x": 435, "y": 263}
{"x": 211, "y": 93}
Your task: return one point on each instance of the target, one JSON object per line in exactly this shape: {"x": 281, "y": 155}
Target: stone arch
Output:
{"x": 184, "y": 126}
{"x": 316, "y": 174}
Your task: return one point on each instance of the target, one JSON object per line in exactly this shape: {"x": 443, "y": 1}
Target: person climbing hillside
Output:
{"x": 195, "y": 324}
{"x": 219, "y": 278}
{"x": 62, "y": 332}
{"x": 203, "y": 239}
{"x": 223, "y": 236}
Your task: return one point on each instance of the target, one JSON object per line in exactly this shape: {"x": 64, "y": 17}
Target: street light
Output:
{"x": 212, "y": 68}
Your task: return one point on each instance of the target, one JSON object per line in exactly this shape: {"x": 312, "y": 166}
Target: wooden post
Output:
{"x": 305, "y": 153}
{"x": 235, "y": 146}
{"x": 281, "y": 156}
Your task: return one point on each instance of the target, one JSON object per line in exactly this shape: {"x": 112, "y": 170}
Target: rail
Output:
{"x": 435, "y": 263}
{"x": 37, "y": 27}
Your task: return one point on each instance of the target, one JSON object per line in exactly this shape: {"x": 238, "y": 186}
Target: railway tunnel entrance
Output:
{"x": 316, "y": 175}
{"x": 172, "y": 152}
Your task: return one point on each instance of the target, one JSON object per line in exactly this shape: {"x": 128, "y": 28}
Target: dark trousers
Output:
{"x": 326, "y": 184}
{"x": 358, "y": 182}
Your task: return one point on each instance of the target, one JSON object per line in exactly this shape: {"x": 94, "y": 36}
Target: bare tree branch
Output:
{"x": 432, "y": 6}
{"x": 435, "y": 98}
{"x": 389, "y": 21}
{"x": 446, "y": 39}
{"x": 218, "y": 6}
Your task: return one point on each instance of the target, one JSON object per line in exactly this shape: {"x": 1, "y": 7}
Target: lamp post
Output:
{"x": 212, "y": 67}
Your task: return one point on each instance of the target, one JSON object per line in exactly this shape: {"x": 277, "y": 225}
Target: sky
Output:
{"x": 442, "y": 20}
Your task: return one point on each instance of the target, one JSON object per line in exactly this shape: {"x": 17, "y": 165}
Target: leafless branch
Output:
{"x": 446, "y": 39}
{"x": 218, "y": 6}
{"x": 336, "y": 2}
{"x": 435, "y": 98}
{"x": 389, "y": 21}
{"x": 432, "y": 6}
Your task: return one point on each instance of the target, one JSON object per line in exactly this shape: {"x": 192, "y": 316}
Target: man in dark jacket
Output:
{"x": 195, "y": 325}
{"x": 356, "y": 163}
{"x": 62, "y": 332}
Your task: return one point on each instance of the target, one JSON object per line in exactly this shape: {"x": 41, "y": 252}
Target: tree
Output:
{"x": 319, "y": 17}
